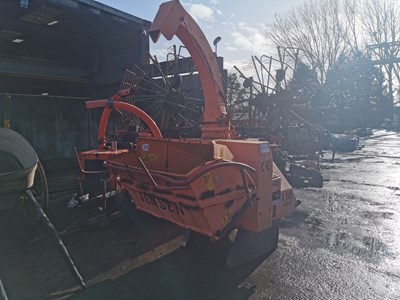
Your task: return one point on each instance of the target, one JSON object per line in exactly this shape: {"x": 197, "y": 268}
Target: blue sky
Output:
{"x": 240, "y": 24}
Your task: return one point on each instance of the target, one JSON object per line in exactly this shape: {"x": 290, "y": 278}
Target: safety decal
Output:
{"x": 208, "y": 180}
{"x": 264, "y": 148}
{"x": 146, "y": 147}
{"x": 227, "y": 218}
{"x": 149, "y": 157}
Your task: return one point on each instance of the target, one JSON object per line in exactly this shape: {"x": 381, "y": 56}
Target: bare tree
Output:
{"x": 315, "y": 27}
{"x": 372, "y": 26}
{"x": 350, "y": 26}
{"x": 331, "y": 32}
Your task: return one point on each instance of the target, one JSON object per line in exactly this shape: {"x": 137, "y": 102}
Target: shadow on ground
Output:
{"x": 137, "y": 258}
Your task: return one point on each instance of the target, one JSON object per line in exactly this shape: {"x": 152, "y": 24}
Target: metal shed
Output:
{"x": 54, "y": 54}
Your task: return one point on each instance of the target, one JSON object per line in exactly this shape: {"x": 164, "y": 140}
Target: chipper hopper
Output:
{"x": 214, "y": 184}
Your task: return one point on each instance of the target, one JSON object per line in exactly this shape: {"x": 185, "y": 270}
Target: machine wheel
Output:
{"x": 40, "y": 191}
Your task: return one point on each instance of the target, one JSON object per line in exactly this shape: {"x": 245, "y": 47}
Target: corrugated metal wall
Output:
{"x": 53, "y": 125}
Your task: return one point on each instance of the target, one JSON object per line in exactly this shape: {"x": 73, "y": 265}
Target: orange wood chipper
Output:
{"x": 211, "y": 185}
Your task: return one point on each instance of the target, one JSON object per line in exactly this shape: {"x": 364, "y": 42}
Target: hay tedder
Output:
{"x": 211, "y": 185}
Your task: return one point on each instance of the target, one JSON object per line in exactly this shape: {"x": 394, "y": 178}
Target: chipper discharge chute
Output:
{"x": 210, "y": 185}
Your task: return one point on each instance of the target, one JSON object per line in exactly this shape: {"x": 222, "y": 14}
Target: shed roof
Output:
{"x": 67, "y": 40}
{"x": 63, "y": 32}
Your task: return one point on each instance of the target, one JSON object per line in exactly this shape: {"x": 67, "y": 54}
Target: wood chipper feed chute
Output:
{"x": 213, "y": 184}
{"x": 192, "y": 184}
{"x": 206, "y": 198}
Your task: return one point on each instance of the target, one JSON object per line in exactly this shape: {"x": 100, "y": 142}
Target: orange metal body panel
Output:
{"x": 174, "y": 156}
{"x": 258, "y": 155}
{"x": 287, "y": 201}
{"x": 186, "y": 184}
{"x": 159, "y": 184}
{"x": 97, "y": 154}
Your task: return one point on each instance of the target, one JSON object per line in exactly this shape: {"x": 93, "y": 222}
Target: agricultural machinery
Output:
{"x": 214, "y": 185}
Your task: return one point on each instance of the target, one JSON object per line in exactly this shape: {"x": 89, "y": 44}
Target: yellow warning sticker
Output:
{"x": 208, "y": 180}
{"x": 227, "y": 218}
{"x": 149, "y": 157}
